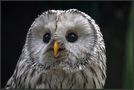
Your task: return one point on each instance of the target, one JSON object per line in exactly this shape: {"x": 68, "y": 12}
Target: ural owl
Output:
{"x": 64, "y": 49}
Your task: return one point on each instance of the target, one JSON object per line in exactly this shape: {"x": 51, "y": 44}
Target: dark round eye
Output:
{"x": 71, "y": 37}
{"x": 46, "y": 37}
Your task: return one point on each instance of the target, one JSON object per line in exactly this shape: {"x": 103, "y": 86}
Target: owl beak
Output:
{"x": 56, "y": 48}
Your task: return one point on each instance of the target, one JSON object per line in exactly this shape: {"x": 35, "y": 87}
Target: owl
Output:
{"x": 64, "y": 49}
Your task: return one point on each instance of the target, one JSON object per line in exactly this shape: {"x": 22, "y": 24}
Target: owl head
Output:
{"x": 67, "y": 40}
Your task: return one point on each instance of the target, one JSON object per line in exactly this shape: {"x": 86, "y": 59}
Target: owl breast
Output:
{"x": 58, "y": 79}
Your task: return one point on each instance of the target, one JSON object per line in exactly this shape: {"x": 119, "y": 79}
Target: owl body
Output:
{"x": 63, "y": 50}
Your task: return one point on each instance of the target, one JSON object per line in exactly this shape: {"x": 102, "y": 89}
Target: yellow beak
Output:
{"x": 56, "y": 49}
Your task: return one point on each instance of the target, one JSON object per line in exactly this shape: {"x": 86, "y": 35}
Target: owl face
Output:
{"x": 61, "y": 39}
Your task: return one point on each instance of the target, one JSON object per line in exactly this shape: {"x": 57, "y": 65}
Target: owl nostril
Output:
{"x": 60, "y": 44}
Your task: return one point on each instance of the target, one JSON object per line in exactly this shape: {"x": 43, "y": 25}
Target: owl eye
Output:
{"x": 71, "y": 37}
{"x": 46, "y": 37}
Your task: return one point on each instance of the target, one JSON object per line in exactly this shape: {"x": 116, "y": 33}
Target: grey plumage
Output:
{"x": 81, "y": 65}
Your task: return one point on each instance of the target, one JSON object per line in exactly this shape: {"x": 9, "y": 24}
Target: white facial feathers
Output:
{"x": 58, "y": 23}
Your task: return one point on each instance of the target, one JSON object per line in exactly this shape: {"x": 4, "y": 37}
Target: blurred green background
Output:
{"x": 116, "y": 21}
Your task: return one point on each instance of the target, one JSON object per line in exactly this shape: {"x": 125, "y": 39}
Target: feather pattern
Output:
{"x": 83, "y": 65}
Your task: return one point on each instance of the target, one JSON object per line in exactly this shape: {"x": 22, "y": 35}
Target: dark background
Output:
{"x": 112, "y": 17}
